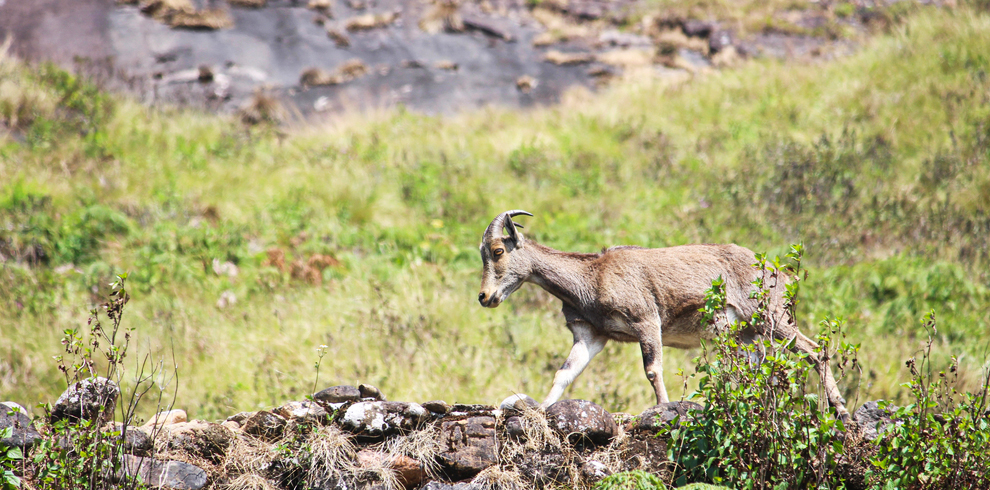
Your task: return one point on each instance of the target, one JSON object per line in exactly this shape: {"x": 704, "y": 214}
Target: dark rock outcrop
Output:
{"x": 658, "y": 416}
{"x": 89, "y": 399}
{"x": 467, "y": 445}
{"x": 265, "y": 425}
{"x": 165, "y": 474}
{"x": 580, "y": 420}
{"x": 338, "y": 394}
{"x": 23, "y": 435}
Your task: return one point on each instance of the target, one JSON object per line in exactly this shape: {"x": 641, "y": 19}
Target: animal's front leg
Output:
{"x": 586, "y": 346}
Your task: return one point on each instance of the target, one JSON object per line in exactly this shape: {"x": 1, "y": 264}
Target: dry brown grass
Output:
{"x": 499, "y": 478}
{"x": 347, "y": 71}
{"x": 262, "y": 107}
{"x": 370, "y": 21}
{"x": 250, "y": 482}
{"x": 248, "y": 456}
{"x": 563, "y": 59}
{"x": 443, "y": 15}
{"x": 332, "y": 454}
{"x": 210, "y": 19}
{"x": 248, "y": 3}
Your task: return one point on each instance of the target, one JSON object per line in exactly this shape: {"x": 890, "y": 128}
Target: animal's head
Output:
{"x": 504, "y": 266}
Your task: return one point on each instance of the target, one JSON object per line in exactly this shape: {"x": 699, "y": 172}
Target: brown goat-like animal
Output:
{"x": 632, "y": 294}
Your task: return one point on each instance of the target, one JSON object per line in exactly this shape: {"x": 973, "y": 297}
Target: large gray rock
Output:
{"x": 658, "y": 416}
{"x": 581, "y": 420}
{"x": 467, "y": 445}
{"x": 89, "y": 399}
{"x": 871, "y": 420}
{"x": 338, "y": 394}
{"x": 24, "y": 434}
{"x": 165, "y": 474}
{"x": 304, "y": 412}
{"x": 376, "y": 419}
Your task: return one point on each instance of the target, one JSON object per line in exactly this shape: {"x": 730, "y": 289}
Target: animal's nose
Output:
{"x": 481, "y": 298}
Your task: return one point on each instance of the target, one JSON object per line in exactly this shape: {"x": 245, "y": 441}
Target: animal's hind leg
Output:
{"x": 651, "y": 345}
{"x": 806, "y": 345}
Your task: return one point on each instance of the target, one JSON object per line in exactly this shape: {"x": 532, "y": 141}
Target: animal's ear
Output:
{"x": 511, "y": 227}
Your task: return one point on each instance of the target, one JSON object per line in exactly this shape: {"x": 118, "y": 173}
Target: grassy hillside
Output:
{"x": 248, "y": 249}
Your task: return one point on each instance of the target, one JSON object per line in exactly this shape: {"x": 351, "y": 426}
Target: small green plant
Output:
{"x": 9, "y": 457}
{"x": 942, "y": 440}
{"x": 762, "y": 426}
{"x": 631, "y": 480}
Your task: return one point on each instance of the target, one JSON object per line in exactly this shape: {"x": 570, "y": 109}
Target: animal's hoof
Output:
{"x": 518, "y": 402}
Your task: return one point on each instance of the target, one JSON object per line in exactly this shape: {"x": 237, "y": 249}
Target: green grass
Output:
{"x": 878, "y": 162}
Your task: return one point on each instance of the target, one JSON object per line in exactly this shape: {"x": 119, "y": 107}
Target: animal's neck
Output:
{"x": 563, "y": 274}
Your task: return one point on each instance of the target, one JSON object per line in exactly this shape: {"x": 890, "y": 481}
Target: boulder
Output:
{"x": 376, "y": 419}
{"x": 338, "y": 394}
{"x": 409, "y": 472}
{"x": 176, "y": 416}
{"x": 240, "y": 417}
{"x": 658, "y": 416}
{"x": 582, "y": 420}
{"x": 871, "y": 420}
{"x": 265, "y": 425}
{"x": 24, "y": 434}
{"x": 438, "y": 407}
{"x": 136, "y": 441}
{"x": 720, "y": 39}
{"x": 305, "y": 412}
{"x": 165, "y": 474}
{"x": 467, "y": 446}
{"x": 89, "y": 399}
{"x": 368, "y": 391}
{"x": 198, "y": 438}
{"x": 518, "y": 402}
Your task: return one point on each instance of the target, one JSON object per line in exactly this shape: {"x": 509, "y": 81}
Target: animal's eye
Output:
{"x": 498, "y": 252}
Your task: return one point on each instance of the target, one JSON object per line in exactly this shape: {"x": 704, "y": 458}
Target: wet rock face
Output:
{"x": 582, "y": 420}
{"x": 24, "y": 434}
{"x": 659, "y": 416}
{"x": 376, "y": 419}
{"x": 89, "y": 399}
{"x": 467, "y": 445}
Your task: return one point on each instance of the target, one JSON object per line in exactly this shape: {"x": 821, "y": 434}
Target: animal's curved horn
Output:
{"x": 504, "y": 220}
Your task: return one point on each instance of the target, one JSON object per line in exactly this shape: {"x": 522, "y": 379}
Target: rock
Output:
{"x": 581, "y": 419}
{"x": 202, "y": 439}
{"x": 338, "y": 394}
{"x": 872, "y": 420}
{"x": 165, "y": 474}
{"x": 720, "y": 40}
{"x": 24, "y": 434}
{"x": 230, "y": 424}
{"x": 461, "y": 408}
{"x": 89, "y": 399}
{"x": 265, "y": 425}
{"x": 240, "y": 417}
{"x": 304, "y": 412}
{"x": 594, "y": 470}
{"x": 698, "y": 28}
{"x": 658, "y": 416}
{"x": 545, "y": 469}
{"x": 518, "y": 402}
{"x": 438, "y": 407}
{"x": 136, "y": 441}
{"x": 514, "y": 427}
{"x": 467, "y": 445}
{"x": 437, "y": 485}
{"x": 368, "y": 391}
{"x": 176, "y": 416}
{"x": 376, "y": 419}
{"x": 409, "y": 471}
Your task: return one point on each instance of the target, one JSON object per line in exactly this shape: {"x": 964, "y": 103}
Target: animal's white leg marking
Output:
{"x": 586, "y": 346}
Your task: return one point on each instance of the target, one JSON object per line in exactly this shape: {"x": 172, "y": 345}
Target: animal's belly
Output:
{"x": 618, "y": 329}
